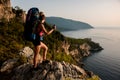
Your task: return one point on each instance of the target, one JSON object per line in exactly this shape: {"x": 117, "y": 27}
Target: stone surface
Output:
{"x": 29, "y": 54}
{"x": 52, "y": 70}
{"x": 85, "y": 49}
{"x": 6, "y": 10}
{"x": 8, "y": 65}
{"x": 26, "y": 51}
{"x": 49, "y": 71}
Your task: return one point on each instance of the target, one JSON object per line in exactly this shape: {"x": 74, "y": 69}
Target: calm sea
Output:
{"x": 106, "y": 63}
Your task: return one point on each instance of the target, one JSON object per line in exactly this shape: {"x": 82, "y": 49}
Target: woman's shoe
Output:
{"x": 45, "y": 61}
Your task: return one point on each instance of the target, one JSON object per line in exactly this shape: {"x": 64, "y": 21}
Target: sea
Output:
{"x": 105, "y": 63}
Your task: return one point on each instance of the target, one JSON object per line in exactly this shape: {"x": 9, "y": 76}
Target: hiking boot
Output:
{"x": 45, "y": 61}
{"x": 35, "y": 69}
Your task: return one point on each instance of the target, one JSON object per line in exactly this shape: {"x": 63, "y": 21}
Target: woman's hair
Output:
{"x": 42, "y": 16}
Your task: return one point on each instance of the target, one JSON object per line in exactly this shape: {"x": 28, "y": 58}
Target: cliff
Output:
{"x": 47, "y": 71}
{"x": 6, "y": 10}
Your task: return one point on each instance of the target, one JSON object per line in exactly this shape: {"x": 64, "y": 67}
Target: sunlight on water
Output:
{"x": 107, "y": 62}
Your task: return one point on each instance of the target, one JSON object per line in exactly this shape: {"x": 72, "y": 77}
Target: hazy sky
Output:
{"x": 95, "y": 12}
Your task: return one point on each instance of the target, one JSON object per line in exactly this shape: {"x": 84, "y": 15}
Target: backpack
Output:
{"x": 32, "y": 20}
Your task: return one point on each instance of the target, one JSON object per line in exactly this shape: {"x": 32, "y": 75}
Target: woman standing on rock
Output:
{"x": 40, "y": 31}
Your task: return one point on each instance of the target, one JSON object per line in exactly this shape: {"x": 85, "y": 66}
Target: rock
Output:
{"x": 52, "y": 70}
{"x": 74, "y": 52}
{"x": 48, "y": 71}
{"x": 6, "y": 10}
{"x": 85, "y": 49}
{"x": 90, "y": 73}
{"x": 8, "y": 65}
{"x": 26, "y": 52}
{"x": 65, "y": 46}
{"x": 29, "y": 54}
{"x": 78, "y": 69}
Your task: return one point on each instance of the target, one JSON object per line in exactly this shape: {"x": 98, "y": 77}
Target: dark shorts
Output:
{"x": 37, "y": 40}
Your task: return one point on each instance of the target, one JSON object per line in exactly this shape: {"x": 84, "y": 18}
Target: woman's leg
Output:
{"x": 36, "y": 55}
{"x": 45, "y": 49}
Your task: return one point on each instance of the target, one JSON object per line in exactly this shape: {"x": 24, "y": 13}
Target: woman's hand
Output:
{"x": 54, "y": 27}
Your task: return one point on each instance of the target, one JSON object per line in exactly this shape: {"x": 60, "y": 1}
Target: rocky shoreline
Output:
{"x": 50, "y": 71}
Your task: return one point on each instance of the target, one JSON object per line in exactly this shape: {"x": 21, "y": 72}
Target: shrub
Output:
{"x": 64, "y": 57}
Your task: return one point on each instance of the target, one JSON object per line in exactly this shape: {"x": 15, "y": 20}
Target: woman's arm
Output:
{"x": 48, "y": 32}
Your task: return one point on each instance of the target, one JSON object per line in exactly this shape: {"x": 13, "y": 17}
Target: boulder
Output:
{"x": 26, "y": 52}
{"x": 8, "y": 65}
{"x": 29, "y": 54}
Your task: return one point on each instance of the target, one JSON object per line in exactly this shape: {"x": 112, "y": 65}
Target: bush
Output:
{"x": 10, "y": 40}
{"x": 21, "y": 60}
{"x": 64, "y": 57}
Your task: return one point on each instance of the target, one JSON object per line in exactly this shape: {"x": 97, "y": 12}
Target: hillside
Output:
{"x": 11, "y": 41}
{"x": 67, "y": 24}
{"x": 61, "y": 48}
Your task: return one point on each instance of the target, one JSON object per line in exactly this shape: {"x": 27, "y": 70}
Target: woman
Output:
{"x": 40, "y": 30}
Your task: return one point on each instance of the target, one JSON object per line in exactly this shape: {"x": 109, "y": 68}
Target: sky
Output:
{"x": 98, "y": 13}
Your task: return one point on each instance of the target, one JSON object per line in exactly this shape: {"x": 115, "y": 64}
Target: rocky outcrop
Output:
{"x": 79, "y": 51}
{"x": 5, "y": 2}
{"x": 8, "y": 65}
{"x": 28, "y": 53}
{"x": 83, "y": 49}
{"x": 46, "y": 71}
{"x": 49, "y": 71}
{"x": 52, "y": 70}
{"x": 6, "y": 10}
{"x": 65, "y": 47}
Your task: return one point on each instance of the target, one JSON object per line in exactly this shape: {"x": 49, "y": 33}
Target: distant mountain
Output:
{"x": 67, "y": 24}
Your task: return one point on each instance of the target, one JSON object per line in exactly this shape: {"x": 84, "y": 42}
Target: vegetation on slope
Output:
{"x": 11, "y": 41}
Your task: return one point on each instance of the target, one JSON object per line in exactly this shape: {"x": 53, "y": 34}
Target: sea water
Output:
{"x": 105, "y": 63}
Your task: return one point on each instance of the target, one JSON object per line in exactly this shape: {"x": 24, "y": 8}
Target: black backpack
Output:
{"x": 32, "y": 20}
